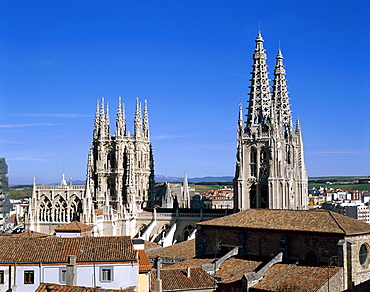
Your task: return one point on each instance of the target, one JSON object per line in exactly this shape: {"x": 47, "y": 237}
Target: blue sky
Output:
{"x": 191, "y": 60}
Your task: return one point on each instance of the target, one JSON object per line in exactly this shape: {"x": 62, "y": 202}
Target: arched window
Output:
{"x": 188, "y": 231}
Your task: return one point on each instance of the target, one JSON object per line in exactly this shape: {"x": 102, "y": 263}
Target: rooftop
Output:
{"x": 292, "y": 220}
{"x": 176, "y": 279}
{"x": 294, "y": 277}
{"x": 46, "y": 287}
{"x": 182, "y": 250}
{"x": 56, "y": 249}
{"x": 74, "y": 226}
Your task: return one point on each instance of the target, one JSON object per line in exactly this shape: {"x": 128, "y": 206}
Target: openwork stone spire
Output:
{"x": 259, "y": 110}
{"x": 138, "y": 122}
{"x": 146, "y": 120}
{"x": 280, "y": 95}
{"x": 120, "y": 120}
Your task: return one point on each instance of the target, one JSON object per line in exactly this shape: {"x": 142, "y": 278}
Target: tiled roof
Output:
{"x": 182, "y": 250}
{"x": 144, "y": 264}
{"x": 74, "y": 226}
{"x": 148, "y": 245}
{"x": 195, "y": 262}
{"x": 231, "y": 270}
{"x": 176, "y": 279}
{"x": 292, "y": 220}
{"x": 31, "y": 234}
{"x": 234, "y": 269}
{"x": 297, "y": 278}
{"x": 49, "y": 287}
{"x": 56, "y": 250}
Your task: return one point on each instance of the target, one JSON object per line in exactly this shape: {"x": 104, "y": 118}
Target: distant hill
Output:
{"x": 163, "y": 178}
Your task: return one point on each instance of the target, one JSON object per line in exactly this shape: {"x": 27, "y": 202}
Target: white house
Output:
{"x": 106, "y": 262}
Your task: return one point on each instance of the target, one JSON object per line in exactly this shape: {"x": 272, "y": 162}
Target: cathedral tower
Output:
{"x": 270, "y": 168}
{"x": 120, "y": 166}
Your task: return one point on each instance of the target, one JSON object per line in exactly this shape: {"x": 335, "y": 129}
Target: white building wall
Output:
{"x": 123, "y": 275}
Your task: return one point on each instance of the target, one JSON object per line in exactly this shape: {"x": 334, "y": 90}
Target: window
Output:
{"x": 106, "y": 274}
{"x": 1, "y": 277}
{"x": 62, "y": 275}
{"x": 363, "y": 254}
{"x": 29, "y": 277}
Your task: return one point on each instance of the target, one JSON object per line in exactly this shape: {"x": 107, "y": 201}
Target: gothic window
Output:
{"x": 253, "y": 161}
{"x": 75, "y": 210}
{"x": 45, "y": 210}
{"x": 188, "y": 231}
{"x": 142, "y": 229}
{"x": 253, "y": 196}
{"x": 164, "y": 230}
{"x": 264, "y": 196}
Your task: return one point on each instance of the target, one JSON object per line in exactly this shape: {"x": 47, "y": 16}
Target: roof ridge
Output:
{"x": 336, "y": 221}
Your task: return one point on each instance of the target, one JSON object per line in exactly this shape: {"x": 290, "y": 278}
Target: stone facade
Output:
{"x": 270, "y": 169}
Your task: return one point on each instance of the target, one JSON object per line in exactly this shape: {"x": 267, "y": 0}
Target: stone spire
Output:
{"x": 107, "y": 121}
{"x": 280, "y": 95}
{"x": 186, "y": 195}
{"x": 259, "y": 110}
{"x": 102, "y": 122}
{"x": 97, "y": 121}
{"x": 146, "y": 120}
{"x": 120, "y": 120}
{"x": 138, "y": 122}
{"x": 241, "y": 119}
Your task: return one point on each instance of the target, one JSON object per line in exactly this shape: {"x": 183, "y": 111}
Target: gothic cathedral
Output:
{"x": 120, "y": 171}
{"x": 270, "y": 168}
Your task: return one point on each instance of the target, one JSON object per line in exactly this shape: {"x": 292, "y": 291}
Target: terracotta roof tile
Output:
{"x": 56, "y": 249}
{"x": 233, "y": 270}
{"x": 190, "y": 263}
{"x": 230, "y": 271}
{"x": 74, "y": 226}
{"x": 299, "y": 278}
{"x": 31, "y": 234}
{"x": 292, "y": 220}
{"x": 148, "y": 245}
{"x": 144, "y": 264}
{"x": 65, "y": 288}
{"x": 182, "y": 250}
{"x": 176, "y": 279}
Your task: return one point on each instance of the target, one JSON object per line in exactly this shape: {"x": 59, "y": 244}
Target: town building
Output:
{"x": 106, "y": 262}
{"x": 307, "y": 238}
{"x": 270, "y": 168}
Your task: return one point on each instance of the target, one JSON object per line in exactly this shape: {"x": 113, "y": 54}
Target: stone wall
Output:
{"x": 295, "y": 246}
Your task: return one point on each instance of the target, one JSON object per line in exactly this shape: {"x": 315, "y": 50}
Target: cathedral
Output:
{"x": 119, "y": 197}
{"x": 120, "y": 175}
{"x": 270, "y": 168}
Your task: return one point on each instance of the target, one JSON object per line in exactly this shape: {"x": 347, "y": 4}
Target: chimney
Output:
{"x": 71, "y": 272}
{"x": 49, "y": 288}
{"x": 188, "y": 272}
{"x": 158, "y": 281}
